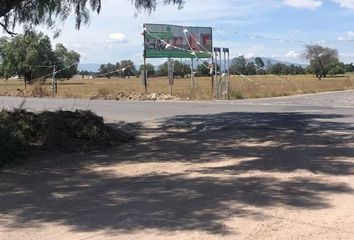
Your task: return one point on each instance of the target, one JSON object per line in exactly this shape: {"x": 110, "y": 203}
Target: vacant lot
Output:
{"x": 241, "y": 87}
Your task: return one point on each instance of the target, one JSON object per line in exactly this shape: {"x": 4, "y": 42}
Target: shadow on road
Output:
{"x": 64, "y": 190}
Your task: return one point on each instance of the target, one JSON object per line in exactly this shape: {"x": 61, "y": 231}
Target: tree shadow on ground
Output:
{"x": 64, "y": 190}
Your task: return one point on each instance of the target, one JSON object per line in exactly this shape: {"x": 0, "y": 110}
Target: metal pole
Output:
{"x": 225, "y": 72}
{"x": 228, "y": 75}
{"x": 220, "y": 75}
{"x": 212, "y": 76}
{"x": 145, "y": 68}
{"x": 145, "y": 75}
{"x": 53, "y": 80}
{"x": 192, "y": 76}
{"x": 216, "y": 74}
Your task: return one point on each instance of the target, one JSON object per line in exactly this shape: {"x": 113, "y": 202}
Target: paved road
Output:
{"x": 263, "y": 169}
{"x": 334, "y": 102}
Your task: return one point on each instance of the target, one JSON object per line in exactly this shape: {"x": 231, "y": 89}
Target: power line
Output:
{"x": 258, "y": 36}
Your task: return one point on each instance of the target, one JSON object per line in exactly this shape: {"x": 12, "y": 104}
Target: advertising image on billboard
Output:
{"x": 170, "y": 41}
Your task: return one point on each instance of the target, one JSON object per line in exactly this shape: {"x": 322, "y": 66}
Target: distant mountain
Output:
{"x": 271, "y": 61}
{"x": 91, "y": 67}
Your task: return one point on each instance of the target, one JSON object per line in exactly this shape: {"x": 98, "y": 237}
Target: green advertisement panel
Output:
{"x": 170, "y": 41}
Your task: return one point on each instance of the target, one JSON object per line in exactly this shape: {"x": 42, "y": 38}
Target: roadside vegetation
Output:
{"x": 115, "y": 88}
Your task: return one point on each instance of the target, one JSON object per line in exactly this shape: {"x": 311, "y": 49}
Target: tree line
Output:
{"x": 127, "y": 68}
{"x": 323, "y": 61}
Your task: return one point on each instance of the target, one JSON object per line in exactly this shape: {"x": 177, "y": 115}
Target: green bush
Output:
{"x": 237, "y": 95}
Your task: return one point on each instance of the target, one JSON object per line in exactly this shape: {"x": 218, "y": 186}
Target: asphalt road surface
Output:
{"x": 334, "y": 102}
{"x": 280, "y": 168}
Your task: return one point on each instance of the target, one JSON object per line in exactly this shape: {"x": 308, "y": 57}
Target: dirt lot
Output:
{"x": 237, "y": 175}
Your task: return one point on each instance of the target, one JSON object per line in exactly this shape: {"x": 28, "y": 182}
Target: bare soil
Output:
{"x": 222, "y": 176}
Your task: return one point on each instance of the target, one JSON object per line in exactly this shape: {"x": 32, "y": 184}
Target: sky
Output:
{"x": 115, "y": 33}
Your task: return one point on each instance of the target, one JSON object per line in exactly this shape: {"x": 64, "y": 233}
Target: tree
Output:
{"x": 202, "y": 69}
{"x": 259, "y": 62}
{"x": 67, "y": 60}
{"x": 31, "y": 54}
{"x": 128, "y": 68}
{"x": 49, "y": 12}
{"x": 163, "y": 69}
{"x": 181, "y": 69}
{"x": 278, "y": 69}
{"x": 251, "y": 69}
{"x": 337, "y": 68}
{"x": 149, "y": 68}
{"x": 320, "y": 59}
{"x": 26, "y": 53}
{"x": 238, "y": 65}
{"x": 349, "y": 67}
{"x": 107, "y": 70}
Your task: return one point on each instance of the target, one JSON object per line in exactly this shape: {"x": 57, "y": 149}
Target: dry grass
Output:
{"x": 240, "y": 87}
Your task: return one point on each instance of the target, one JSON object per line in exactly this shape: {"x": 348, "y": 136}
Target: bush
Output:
{"x": 22, "y": 131}
{"x": 237, "y": 95}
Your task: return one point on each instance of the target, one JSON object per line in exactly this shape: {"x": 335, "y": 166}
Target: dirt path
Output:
{"x": 220, "y": 176}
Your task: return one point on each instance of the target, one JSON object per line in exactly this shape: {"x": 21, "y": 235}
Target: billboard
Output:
{"x": 170, "y": 41}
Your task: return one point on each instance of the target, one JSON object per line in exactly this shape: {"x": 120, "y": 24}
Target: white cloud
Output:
{"x": 307, "y": 4}
{"x": 348, "y": 37}
{"x": 292, "y": 54}
{"x": 345, "y": 3}
{"x": 117, "y": 38}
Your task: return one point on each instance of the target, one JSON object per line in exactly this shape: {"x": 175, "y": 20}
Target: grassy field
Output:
{"x": 240, "y": 87}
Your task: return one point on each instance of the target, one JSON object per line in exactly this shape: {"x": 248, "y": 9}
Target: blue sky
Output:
{"x": 115, "y": 34}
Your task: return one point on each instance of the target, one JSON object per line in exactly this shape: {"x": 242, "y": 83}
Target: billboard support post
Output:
{"x": 217, "y": 52}
{"x": 145, "y": 67}
{"x": 227, "y": 72}
{"x": 145, "y": 75}
{"x": 171, "y": 70}
{"x": 192, "y": 76}
{"x": 212, "y": 76}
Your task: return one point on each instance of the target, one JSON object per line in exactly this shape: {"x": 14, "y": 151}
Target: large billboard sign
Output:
{"x": 170, "y": 41}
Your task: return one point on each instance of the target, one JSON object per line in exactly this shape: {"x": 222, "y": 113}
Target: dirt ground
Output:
{"x": 217, "y": 176}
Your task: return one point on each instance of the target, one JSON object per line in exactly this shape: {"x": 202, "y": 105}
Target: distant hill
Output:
{"x": 91, "y": 67}
{"x": 271, "y": 61}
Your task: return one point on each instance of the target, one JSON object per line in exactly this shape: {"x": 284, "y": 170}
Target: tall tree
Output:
{"x": 238, "y": 65}
{"x": 149, "y": 68}
{"x": 251, "y": 69}
{"x": 27, "y": 53}
{"x": 202, "y": 69}
{"x": 49, "y": 12}
{"x": 320, "y": 59}
{"x": 32, "y": 53}
{"x": 128, "y": 68}
{"x": 107, "y": 70}
{"x": 66, "y": 60}
{"x": 259, "y": 62}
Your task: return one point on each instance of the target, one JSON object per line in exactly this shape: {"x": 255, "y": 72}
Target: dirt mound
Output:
{"x": 22, "y": 131}
{"x": 122, "y": 96}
